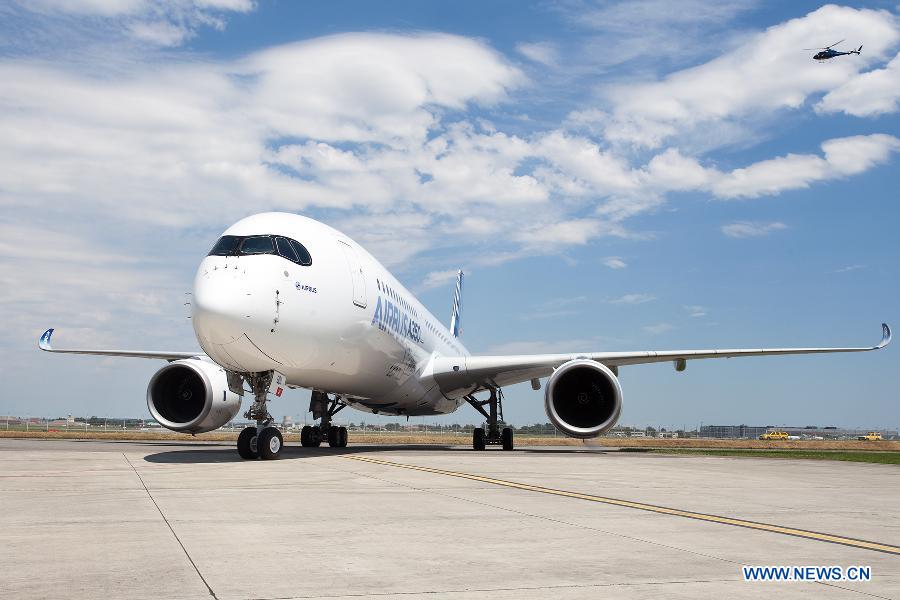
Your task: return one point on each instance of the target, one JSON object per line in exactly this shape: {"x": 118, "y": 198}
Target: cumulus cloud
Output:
{"x": 745, "y": 229}
{"x": 763, "y": 75}
{"x": 614, "y": 262}
{"x": 868, "y": 94}
{"x": 842, "y": 157}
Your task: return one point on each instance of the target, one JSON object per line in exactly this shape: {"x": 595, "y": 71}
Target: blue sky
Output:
{"x": 643, "y": 175}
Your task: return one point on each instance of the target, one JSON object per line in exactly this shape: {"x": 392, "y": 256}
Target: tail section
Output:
{"x": 857, "y": 51}
{"x": 457, "y": 305}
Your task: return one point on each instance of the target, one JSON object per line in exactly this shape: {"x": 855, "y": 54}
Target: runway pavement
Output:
{"x": 87, "y": 519}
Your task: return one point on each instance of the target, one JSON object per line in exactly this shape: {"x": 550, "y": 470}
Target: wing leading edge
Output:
{"x": 462, "y": 374}
{"x": 44, "y": 344}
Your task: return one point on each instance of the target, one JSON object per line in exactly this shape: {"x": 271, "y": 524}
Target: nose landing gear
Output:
{"x": 494, "y": 436}
{"x": 324, "y": 408}
{"x": 262, "y": 441}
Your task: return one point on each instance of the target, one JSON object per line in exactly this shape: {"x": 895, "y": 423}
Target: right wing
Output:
{"x": 461, "y": 375}
{"x": 44, "y": 344}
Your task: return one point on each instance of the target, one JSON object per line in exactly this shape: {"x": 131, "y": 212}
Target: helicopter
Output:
{"x": 829, "y": 52}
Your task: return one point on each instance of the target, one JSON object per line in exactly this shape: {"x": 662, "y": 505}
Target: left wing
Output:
{"x": 44, "y": 344}
{"x": 464, "y": 374}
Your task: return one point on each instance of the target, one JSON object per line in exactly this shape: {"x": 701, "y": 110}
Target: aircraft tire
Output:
{"x": 506, "y": 437}
{"x": 342, "y": 437}
{"x": 246, "y": 444}
{"x": 334, "y": 436}
{"x": 269, "y": 444}
{"x": 478, "y": 439}
{"x": 306, "y": 437}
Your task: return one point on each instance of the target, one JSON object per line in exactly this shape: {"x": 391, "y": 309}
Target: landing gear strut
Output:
{"x": 262, "y": 441}
{"x": 323, "y": 407}
{"x": 494, "y": 415}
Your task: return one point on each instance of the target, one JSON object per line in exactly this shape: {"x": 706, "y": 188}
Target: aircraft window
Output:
{"x": 285, "y": 249}
{"x": 302, "y": 253}
{"x": 226, "y": 246}
{"x": 257, "y": 244}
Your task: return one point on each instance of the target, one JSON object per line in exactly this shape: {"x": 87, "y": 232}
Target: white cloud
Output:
{"x": 765, "y": 74}
{"x": 868, "y": 94}
{"x": 545, "y": 53}
{"x": 162, "y": 23}
{"x": 695, "y": 310}
{"x": 658, "y": 328}
{"x": 436, "y": 279}
{"x": 842, "y": 157}
{"x": 849, "y": 268}
{"x": 614, "y": 262}
{"x": 745, "y": 229}
{"x": 633, "y": 299}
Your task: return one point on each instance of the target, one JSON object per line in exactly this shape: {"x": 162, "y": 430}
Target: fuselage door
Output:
{"x": 356, "y": 274}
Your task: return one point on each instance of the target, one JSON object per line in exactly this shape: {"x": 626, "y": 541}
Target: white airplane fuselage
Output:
{"x": 343, "y": 324}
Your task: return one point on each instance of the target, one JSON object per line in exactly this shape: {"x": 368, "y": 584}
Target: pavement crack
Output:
{"x": 169, "y": 525}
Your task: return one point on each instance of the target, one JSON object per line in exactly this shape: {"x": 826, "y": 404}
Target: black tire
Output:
{"x": 334, "y": 436}
{"x": 342, "y": 438}
{"x": 506, "y": 437}
{"x": 306, "y": 437}
{"x": 478, "y": 439}
{"x": 269, "y": 444}
{"x": 246, "y": 443}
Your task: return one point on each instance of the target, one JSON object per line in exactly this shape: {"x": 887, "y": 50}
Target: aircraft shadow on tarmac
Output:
{"x": 226, "y": 453}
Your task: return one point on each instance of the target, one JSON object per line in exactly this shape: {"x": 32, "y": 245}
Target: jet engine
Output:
{"x": 583, "y": 398}
{"x": 192, "y": 396}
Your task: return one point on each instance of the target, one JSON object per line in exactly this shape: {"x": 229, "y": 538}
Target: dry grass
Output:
{"x": 465, "y": 439}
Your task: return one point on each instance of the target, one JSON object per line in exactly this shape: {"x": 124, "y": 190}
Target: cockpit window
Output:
{"x": 236, "y": 245}
{"x": 302, "y": 253}
{"x": 258, "y": 244}
{"x": 285, "y": 250}
{"x": 226, "y": 246}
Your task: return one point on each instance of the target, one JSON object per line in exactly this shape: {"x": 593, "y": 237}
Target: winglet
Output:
{"x": 885, "y": 336}
{"x": 44, "y": 343}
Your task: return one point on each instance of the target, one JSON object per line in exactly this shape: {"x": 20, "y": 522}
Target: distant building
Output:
{"x": 806, "y": 432}
{"x": 731, "y": 431}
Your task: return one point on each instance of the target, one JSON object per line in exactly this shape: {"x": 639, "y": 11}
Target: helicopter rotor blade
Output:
{"x": 834, "y": 44}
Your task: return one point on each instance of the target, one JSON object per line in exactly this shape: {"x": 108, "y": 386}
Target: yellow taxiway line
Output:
{"x": 803, "y": 533}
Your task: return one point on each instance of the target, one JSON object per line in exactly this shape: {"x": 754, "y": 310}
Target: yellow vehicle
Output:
{"x": 872, "y": 436}
{"x": 774, "y": 435}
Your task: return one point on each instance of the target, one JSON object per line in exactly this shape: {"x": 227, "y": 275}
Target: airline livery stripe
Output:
{"x": 803, "y": 533}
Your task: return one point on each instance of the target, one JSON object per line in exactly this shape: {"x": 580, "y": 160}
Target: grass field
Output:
{"x": 868, "y": 456}
{"x": 821, "y": 449}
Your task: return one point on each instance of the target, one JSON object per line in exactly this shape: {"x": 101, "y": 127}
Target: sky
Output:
{"x": 644, "y": 175}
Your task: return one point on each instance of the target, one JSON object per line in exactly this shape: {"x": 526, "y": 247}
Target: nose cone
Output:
{"x": 217, "y": 308}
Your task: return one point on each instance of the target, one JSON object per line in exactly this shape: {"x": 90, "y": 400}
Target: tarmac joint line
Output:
{"x": 169, "y": 525}
{"x": 802, "y": 533}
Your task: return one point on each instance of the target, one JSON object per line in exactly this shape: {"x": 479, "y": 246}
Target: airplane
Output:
{"x": 828, "y": 52}
{"x": 283, "y": 301}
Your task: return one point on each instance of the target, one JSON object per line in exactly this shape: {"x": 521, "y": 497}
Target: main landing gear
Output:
{"x": 262, "y": 441}
{"x": 323, "y": 407}
{"x": 494, "y": 415}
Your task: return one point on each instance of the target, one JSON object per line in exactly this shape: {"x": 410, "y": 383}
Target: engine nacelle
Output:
{"x": 583, "y": 398}
{"x": 192, "y": 396}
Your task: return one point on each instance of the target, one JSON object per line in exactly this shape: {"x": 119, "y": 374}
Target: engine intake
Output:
{"x": 583, "y": 398}
{"x": 192, "y": 396}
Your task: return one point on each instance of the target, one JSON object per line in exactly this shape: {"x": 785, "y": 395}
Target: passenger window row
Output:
{"x": 237, "y": 245}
